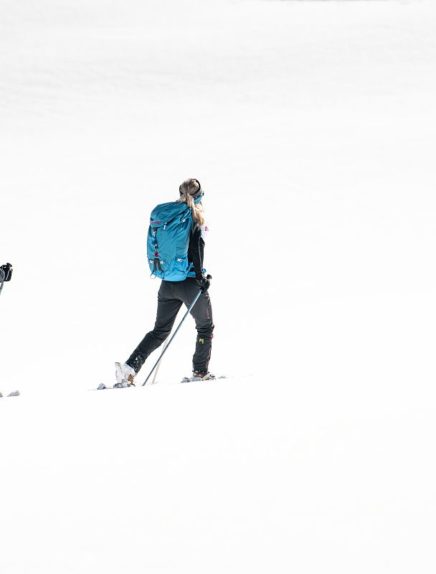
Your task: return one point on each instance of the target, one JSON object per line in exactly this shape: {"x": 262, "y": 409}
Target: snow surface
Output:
{"x": 311, "y": 126}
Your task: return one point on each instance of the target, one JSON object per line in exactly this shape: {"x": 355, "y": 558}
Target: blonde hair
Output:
{"x": 186, "y": 196}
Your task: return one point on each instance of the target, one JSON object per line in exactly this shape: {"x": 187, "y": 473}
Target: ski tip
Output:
{"x": 101, "y": 387}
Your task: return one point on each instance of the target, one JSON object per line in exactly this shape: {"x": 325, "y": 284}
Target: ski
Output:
{"x": 204, "y": 379}
{"x": 103, "y": 387}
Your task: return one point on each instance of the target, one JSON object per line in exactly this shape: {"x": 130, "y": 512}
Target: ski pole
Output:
{"x": 173, "y": 335}
{"x": 2, "y": 279}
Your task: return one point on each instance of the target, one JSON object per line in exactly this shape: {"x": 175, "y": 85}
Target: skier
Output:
{"x": 5, "y": 274}
{"x": 173, "y": 293}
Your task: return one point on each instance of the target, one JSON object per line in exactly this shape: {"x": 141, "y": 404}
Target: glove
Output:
{"x": 5, "y": 272}
{"x": 204, "y": 282}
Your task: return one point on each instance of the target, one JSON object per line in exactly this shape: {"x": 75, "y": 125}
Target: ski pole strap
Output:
{"x": 157, "y": 265}
{"x": 172, "y": 336}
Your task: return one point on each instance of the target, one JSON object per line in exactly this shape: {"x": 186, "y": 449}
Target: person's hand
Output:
{"x": 204, "y": 282}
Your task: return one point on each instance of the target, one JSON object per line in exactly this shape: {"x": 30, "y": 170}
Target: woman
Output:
{"x": 171, "y": 296}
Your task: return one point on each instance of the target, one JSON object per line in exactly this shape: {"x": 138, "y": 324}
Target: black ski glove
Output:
{"x": 5, "y": 272}
{"x": 204, "y": 282}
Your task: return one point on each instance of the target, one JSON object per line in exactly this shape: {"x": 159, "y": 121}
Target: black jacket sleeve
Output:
{"x": 196, "y": 250}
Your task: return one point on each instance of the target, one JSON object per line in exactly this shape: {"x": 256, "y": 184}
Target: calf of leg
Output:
{"x": 202, "y": 313}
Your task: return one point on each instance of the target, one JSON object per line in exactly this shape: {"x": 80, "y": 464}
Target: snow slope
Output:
{"x": 311, "y": 126}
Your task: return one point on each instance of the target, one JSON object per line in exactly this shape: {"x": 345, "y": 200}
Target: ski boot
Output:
{"x": 199, "y": 376}
{"x": 124, "y": 375}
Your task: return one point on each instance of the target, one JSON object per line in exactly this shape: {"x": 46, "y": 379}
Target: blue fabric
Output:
{"x": 168, "y": 241}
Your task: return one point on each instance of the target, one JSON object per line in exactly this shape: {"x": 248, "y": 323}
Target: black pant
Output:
{"x": 171, "y": 296}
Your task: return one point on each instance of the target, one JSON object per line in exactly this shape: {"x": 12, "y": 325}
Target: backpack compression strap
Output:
{"x": 156, "y": 261}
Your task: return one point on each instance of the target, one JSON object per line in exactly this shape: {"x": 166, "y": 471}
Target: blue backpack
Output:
{"x": 168, "y": 241}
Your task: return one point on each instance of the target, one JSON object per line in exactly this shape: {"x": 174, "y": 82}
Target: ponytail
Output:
{"x": 187, "y": 196}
